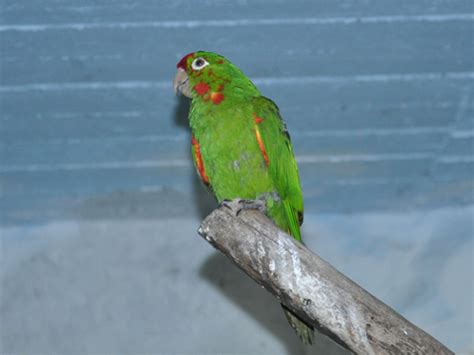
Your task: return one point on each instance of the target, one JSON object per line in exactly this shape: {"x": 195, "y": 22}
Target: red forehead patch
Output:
{"x": 182, "y": 63}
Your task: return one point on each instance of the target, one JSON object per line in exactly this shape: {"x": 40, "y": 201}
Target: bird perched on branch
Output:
{"x": 240, "y": 145}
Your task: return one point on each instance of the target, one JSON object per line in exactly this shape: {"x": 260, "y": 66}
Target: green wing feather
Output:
{"x": 282, "y": 165}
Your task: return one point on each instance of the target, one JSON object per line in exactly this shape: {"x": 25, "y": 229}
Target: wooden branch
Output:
{"x": 313, "y": 289}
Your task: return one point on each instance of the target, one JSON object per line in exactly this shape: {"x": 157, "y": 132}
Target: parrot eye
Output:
{"x": 199, "y": 63}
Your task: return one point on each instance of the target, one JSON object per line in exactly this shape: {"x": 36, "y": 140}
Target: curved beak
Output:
{"x": 181, "y": 83}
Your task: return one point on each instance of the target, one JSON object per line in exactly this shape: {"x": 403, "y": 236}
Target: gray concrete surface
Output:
{"x": 154, "y": 286}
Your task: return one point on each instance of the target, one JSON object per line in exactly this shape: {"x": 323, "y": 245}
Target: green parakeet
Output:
{"x": 240, "y": 144}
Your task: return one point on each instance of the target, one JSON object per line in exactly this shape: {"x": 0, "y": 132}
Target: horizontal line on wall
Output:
{"x": 332, "y": 79}
{"x": 49, "y": 58}
{"x": 97, "y": 85}
{"x": 185, "y": 163}
{"x": 333, "y": 106}
{"x": 341, "y": 182}
{"x": 117, "y": 139}
{"x": 456, "y": 159}
{"x": 311, "y": 159}
{"x": 363, "y": 132}
{"x": 240, "y": 22}
{"x": 179, "y": 163}
{"x": 337, "y": 133}
{"x": 463, "y": 134}
{"x": 365, "y": 78}
{"x": 88, "y": 114}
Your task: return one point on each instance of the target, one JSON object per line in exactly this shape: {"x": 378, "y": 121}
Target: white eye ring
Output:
{"x": 199, "y": 63}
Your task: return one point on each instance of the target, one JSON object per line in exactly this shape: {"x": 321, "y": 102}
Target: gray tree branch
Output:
{"x": 313, "y": 289}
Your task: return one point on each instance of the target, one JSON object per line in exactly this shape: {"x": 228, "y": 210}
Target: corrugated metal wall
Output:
{"x": 377, "y": 96}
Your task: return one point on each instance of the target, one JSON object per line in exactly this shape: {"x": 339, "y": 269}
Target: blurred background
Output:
{"x": 99, "y": 200}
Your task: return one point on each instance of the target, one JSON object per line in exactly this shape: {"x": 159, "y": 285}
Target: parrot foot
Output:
{"x": 239, "y": 205}
{"x": 258, "y": 205}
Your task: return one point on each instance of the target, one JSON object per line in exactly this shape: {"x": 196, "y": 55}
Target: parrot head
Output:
{"x": 210, "y": 78}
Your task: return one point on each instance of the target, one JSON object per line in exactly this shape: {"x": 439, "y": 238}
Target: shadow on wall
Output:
{"x": 162, "y": 204}
{"x": 204, "y": 201}
{"x": 202, "y": 198}
{"x": 181, "y": 112}
{"x": 259, "y": 304}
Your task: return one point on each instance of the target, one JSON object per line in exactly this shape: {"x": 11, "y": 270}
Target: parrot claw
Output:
{"x": 226, "y": 204}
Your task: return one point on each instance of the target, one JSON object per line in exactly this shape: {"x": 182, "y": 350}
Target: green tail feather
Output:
{"x": 304, "y": 331}
{"x": 291, "y": 216}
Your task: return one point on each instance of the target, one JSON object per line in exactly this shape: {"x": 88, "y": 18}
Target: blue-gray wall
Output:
{"x": 377, "y": 96}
